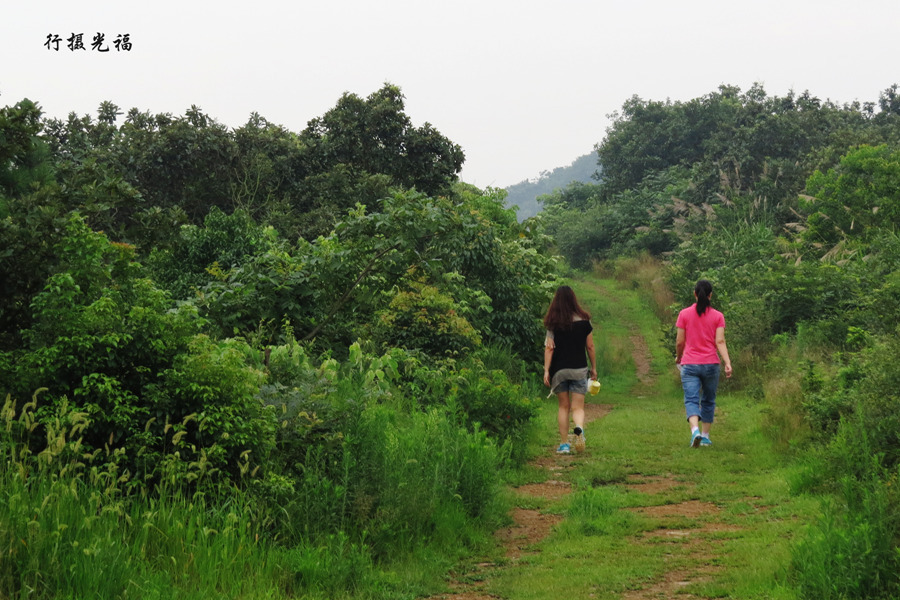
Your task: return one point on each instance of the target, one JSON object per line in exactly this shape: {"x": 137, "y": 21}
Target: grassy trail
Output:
{"x": 641, "y": 515}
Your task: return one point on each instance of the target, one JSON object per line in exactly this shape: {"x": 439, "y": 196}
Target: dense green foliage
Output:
{"x": 295, "y": 343}
{"x": 672, "y": 168}
{"x": 789, "y": 206}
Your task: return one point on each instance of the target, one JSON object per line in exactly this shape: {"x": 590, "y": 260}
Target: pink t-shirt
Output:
{"x": 700, "y": 335}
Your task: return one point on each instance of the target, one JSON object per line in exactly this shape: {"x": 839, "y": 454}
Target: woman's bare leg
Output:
{"x": 577, "y": 405}
{"x": 562, "y": 417}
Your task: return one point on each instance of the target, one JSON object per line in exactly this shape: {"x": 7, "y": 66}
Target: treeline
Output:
{"x": 247, "y": 351}
{"x": 790, "y": 206}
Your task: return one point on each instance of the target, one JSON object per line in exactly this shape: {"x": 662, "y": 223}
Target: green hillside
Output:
{"x": 525, "y": 194}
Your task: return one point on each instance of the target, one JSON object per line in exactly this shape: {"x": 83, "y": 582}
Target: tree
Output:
{"x": 889, "y": 101}
{"x": 24, "y": 158}
{"x": 30, "y": 216}
{"x": 855, "y": 200}
{"x": 375, "y": 136}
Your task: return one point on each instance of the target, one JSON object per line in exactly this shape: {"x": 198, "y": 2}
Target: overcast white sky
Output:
{"x": 523, "y": 86}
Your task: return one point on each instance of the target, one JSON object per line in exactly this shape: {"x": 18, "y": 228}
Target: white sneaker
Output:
{"x": 579, "y": 442}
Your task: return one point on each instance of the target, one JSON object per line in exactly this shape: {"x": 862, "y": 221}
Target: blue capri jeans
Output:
{"x": 700, "y": 383}
{"x": 573, "y": 386}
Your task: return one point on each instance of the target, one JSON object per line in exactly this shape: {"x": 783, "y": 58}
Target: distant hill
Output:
{"x": 524, "y": 194}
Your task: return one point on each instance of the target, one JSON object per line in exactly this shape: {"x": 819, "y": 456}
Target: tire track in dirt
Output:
{"x": 640, "y": 353}
{"x": 686, "y": 547}
{"x": 690, "y": 554}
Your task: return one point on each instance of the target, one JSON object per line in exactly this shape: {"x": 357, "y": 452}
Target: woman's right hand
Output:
{"x": 547, "y": 378}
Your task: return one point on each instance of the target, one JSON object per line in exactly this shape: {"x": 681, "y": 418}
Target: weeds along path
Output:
{"x": 640, "y": 515}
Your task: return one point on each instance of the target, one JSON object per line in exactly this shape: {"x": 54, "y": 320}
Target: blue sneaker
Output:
{"x": 564, "y": 449}
{"x": 705, "y": 441}
{"x": 695, "y": 439}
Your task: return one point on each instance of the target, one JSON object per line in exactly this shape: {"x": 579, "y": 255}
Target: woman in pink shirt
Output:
{"x": 699, "y": 343}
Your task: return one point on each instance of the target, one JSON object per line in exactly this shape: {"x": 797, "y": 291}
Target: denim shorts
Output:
{"x": 573, "y": 386}
{"x": 700, "y": 383}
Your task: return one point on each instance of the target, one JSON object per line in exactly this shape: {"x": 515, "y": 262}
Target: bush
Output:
{"x": 109, "y": 341}
{"x": 428, "y": 320}
{"x": 494, "y": 405}
{"x": 850, "y": 552}
{"x": 785, "y": 419}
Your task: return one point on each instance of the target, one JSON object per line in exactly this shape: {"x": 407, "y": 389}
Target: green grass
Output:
{"x": 71, "y": 527}
{"x": 606, "y": 546}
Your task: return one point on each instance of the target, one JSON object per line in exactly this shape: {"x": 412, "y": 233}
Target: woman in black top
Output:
{"x": 565, "y": 365}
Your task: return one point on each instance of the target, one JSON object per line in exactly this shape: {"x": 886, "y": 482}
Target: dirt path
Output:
{"x": 641, "y": 355}
{"x": 530, "y": 527}
{"x": 695, "y": 541}
{"x": 682, "y": 530}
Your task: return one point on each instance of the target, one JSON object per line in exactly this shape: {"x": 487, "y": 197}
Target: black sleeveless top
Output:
{"x": 569, "y": 347}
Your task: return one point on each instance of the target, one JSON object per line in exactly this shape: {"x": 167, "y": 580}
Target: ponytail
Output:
{"x": 703, "y": 289}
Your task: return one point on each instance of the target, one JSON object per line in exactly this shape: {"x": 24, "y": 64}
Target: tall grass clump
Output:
{"x": 783, "y": 385}
{"x": 647, "y": 274}
{"x": 422, "y": 477}
{"x": 69, "y": 528}
{"x": 361, "y": 455}
{"x": 517, "y": 370}
{"x": 850, "y": 552}
{"x": 333, "y": 567}
{"x": 595, "y": 511}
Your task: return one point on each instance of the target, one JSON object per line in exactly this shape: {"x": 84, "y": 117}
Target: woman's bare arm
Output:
{"x": 723, "y": 349}
{"x": 548, "y": 355}
{"x": 589, "y": 344}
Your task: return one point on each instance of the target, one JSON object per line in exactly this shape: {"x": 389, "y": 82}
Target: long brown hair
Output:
{"x": 563, "y": 309}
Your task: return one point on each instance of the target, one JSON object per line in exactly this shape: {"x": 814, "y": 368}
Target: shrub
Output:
{"x": 850, "y": 552}
{"x": 496, "y": 406}
{"x": 425, "y": 319}
{"x": 212, "y": 382}
{"x": 112, "y": 343}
